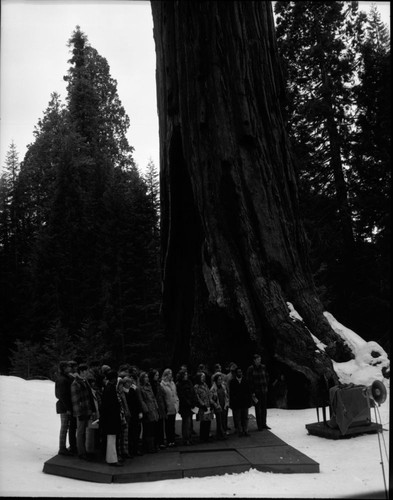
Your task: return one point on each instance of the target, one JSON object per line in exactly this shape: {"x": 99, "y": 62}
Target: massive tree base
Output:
{"x": 233, "y": 245}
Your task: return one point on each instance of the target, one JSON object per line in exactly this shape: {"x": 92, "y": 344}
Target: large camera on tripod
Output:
{"x": 350, "y": 405}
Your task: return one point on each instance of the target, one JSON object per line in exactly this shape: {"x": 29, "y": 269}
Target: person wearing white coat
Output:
{"x": 171, "y": 405}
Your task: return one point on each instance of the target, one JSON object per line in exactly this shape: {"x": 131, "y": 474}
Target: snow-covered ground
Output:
{"x": 352, "y": 467}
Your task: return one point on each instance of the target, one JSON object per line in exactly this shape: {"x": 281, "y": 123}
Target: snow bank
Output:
{"x": 369, "y": 360}
{"x": 370, "y": 357}
{"x": 29, "y": 431}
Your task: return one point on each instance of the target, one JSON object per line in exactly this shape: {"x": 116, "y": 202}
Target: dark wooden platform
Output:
{"x": 262, "y": 451}
{"x": 322, "y": 429}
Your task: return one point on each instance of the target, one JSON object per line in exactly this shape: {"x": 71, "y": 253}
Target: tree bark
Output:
{"x": 233, "y": 246}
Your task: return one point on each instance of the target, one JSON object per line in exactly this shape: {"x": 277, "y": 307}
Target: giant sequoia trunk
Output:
{"x": 234, "y": 250}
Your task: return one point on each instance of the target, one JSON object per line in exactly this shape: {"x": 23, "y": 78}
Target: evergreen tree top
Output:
{"x": 95, "y": 108}
{"x": 377, "y": 32}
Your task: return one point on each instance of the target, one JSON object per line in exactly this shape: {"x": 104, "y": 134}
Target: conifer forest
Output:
{"x": 188, "y": 261}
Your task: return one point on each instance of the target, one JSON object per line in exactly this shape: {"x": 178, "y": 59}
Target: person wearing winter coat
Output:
{"x": 64, "y": 407}
{"x": 134, "y": 402}
{"x": 155, "y": 382}
{"x": 258, "y": 380}
{"x": 171, "y": 404}
{"x": 205, "y": 404}
{"x": 203, "y": 368}
{"x": 187, "y": 401}
{"x": 110, "y": 421}
{"x": 125, "y": 416}
{"x": 150, "y": 413}
{"x": 232, "y": 367}
{"x": 93, "y": 435}
{"x": 83, "y": 407}
{"x": 220, "y": 400}
{"x": 240, "y": 401}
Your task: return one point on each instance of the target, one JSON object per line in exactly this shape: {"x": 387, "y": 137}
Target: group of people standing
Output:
{"x": 128, "y": 412}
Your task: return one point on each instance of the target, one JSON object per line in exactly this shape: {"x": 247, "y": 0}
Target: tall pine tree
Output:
{"x": 94, "y": 105}
{"x": 316, "y": 46}
{"x": 89, "y": 223}
{"x": 371, "y": 180}
{"x": 8, "y": 182}
{"x": 9, "y": 242}
{"x": 325, "y": 53}
{"x": 315, "y": 41}
{"x": 371, "y": 159}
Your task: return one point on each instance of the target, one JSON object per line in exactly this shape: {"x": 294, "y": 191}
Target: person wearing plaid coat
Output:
{"x": 205, "y": 405}
{"x": 122, "y": 388}
{"x": 258, "y": 380}
{"x": 83, "y": 407}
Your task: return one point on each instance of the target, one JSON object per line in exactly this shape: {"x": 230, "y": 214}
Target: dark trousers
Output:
{"x": 64, "y": 426}
{"x": 122, "y": 446}
{"x": 219, "y": 424}
{"x": 81, "y": 435}
{"x": 260, "y": 410}
{"x": 170, "y": 428}
{"x": 148, "y": 436}
{"x": 134, "y": 431}
{"x": 240, "y": 418}
{"x": 72, "y": 433}
{"x": 225, "y": 419}
{"x": 159, "y": 432}
{"x": 204, "y": 430}
{"x": 186, "y": 422}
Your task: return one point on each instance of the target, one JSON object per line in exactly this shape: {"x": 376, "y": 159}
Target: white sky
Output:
{"x": 34, "y": 55}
